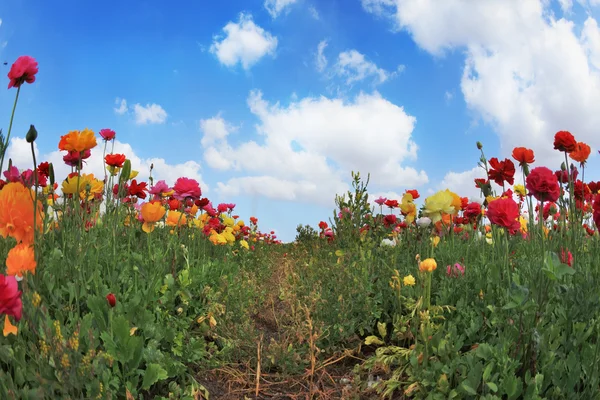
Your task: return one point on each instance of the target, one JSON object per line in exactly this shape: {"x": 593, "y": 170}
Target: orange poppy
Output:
{"x": 581, "y": 153}
{"x": 20, "y": 259}
{"x": 523, "y": 155}
{"x": 16, "y": 212}
{"x": 78, "y": 141}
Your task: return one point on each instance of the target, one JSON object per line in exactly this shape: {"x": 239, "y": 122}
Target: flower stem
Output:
{"x": 12, "y": 116}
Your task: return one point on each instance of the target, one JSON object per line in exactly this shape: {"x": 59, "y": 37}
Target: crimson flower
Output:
{"x": 23, "y": 70}
{"x": 502, "y": 171}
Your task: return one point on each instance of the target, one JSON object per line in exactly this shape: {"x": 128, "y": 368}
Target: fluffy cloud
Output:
{"x": 244, "y": 42}
{"x": 308, "y": 148}
{"x": 20, "y": 153}
{"x": 526, "y": 72}
{"x": 214, "y": 129}
{"x": 354, "y": 67}
{"x": 149, "y": 114}
{"x": 314, "y": 13}
{"x": 276, "y": 7}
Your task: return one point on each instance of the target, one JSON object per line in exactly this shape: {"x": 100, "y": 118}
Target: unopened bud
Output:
{"x": 31, "y": 134}
{"x": 479, "y": 146}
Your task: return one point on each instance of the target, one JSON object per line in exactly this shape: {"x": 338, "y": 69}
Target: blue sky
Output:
{"x": 271, "y": 104}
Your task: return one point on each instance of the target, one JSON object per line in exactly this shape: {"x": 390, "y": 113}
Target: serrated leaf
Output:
{"x": 153, "y": 374}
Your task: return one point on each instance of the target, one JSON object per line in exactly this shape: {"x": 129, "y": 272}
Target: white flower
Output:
{"x": 423, "y": 222}
{"x": 388, "y": 242}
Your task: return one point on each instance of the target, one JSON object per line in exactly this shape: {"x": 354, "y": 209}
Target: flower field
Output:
{"x": 115, "y": 288}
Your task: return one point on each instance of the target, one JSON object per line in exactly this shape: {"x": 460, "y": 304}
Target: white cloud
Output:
{"x": 244, "y": 42}
{"x": 309, "y": 148}
{"x": 448, "y": 95}
{"x": 314, "y": 13}
{"x": 321, "y": 58}
{"x": 20, "y": 152}
{"x": 214, "y": 129}
{"x": 276, "y": 7}
{"x": 149, "y": 114}
{"x": 566, "y": 5}
{"x": 354, "y": 67}
{"x": 526, "y": 73}
{"x": 122, "y": 106}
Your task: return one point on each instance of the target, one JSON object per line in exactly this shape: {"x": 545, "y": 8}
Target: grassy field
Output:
{"x": 121, "y": 289}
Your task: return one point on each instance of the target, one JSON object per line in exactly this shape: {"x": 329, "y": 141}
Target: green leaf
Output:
{"x": 493, "y": 387}
{"x": 153, "y": 374}
{"x": 468, "y": 389}
{"x": 369, "y": 340}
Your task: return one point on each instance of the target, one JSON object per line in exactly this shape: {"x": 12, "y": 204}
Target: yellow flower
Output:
{"x": 227, "y": 221}
{"x": 85, "y": 184}
{"x": 409, "y": 280}
{"x": 408, "y": 208}
{"x": 435, "y": 240}
{"x": 441, "y": 202}
{"x": 520, "y": 190}
{"x": 524, "y": 223}
{"x": 427, "y": 265}
{"x": 133, "y": 174}
{"x": 244, "y": 244}
{"x": 228, "y": 235}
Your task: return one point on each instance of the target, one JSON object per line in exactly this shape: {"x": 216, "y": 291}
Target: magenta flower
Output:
{"x": 12, "y": 174}
{"x": 107, "y": 134}
{"x": 186, "y": 187}
{"x": 380, "y": 200}
{"x": 159, "y": 188}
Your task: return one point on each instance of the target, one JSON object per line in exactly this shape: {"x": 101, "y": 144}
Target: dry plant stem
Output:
{"x": 258, "y": 359}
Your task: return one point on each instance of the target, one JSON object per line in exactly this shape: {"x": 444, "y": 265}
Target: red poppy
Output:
{"x": 564, "y": 141}
{"x": 523, "y": 155}
{"x": 115, "y": 160}
{"x": 504, "y": 213}
{"x": 138, "y": 189}
{"x": 201, "y": 202}
{"x": 542, "y": 184}
{"x": 174, "y": 204}
{"x": 502, "y": 171}
{"x": 323, "y": 225}
{"x": 391, "y": 203}
{"x": 415, "y": 194}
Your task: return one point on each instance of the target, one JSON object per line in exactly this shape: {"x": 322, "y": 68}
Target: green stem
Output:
{"x": 12, "y": 116}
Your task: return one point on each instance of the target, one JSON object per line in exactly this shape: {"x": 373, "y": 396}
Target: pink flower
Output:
{"x": 380, "y": 200}
{"x": 107, "y": 134}
{"x": 230, "y": 206}
{"x": 159, "y": 188}
{"x": 72, "y": 157}
{"x": 23, "y": 70}
{"x": 12, "y": 174}
{"x": 455, "y": 271}
{"x": 222, "y": 207}
{"x": 185, "y": 187}
{"x": 10, "y": 297}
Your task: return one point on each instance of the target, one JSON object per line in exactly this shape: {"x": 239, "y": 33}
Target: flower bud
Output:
{"x": 112, "y": 300}
{"x": 479, "y": 146}
{"x": 31, "y": 134}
